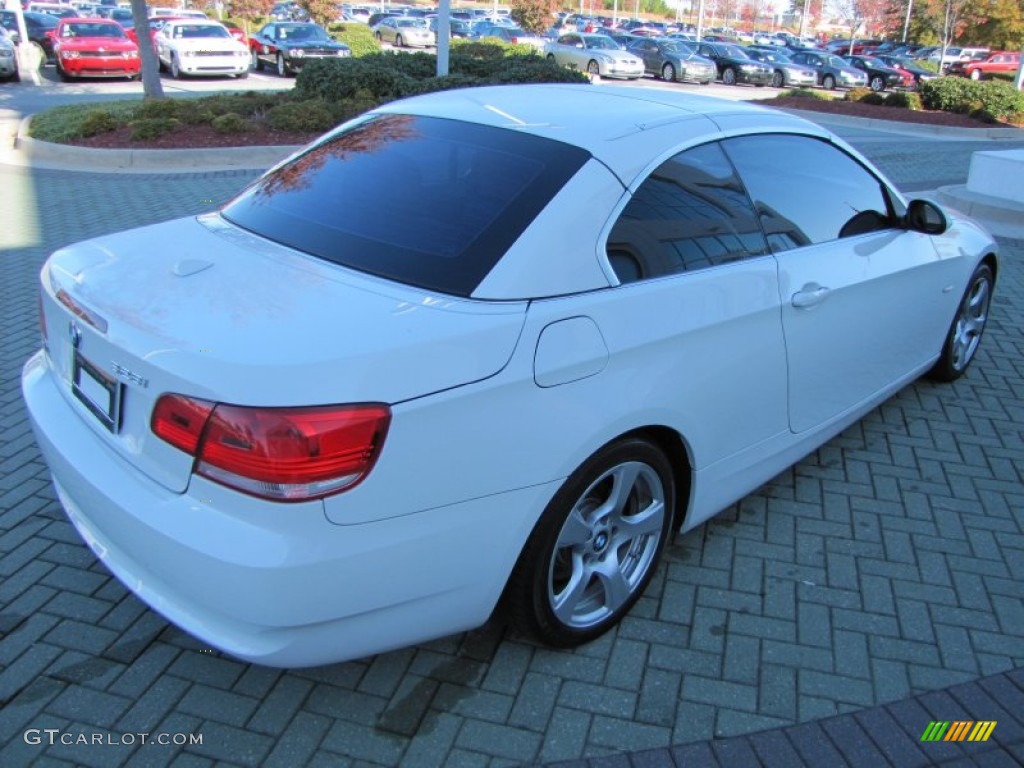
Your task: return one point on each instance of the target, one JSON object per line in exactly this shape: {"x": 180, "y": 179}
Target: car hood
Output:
{"x": 307, "y": 45}
{"x": 202, "y": 307}
{"x": 92, "y": 43}
{"x": 207, "y": 44}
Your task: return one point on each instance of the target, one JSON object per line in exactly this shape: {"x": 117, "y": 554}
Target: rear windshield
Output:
{"x": 424, "y": 201}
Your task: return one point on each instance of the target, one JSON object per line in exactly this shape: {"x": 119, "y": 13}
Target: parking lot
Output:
{"x": 885, "y": 565}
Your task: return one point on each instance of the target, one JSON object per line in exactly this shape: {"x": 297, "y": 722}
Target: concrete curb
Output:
{"x": 1000, "y": 216}
{"x": 45, "y": 154}
{"x": 896, "y": 126}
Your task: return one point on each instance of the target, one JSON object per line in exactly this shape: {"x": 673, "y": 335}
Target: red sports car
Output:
{"x": 94, "y": 48}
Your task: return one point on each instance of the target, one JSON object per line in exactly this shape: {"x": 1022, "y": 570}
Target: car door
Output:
{"x": 865, "y": 302}
{"x": 263, "y": 43}
{"x": 699, "y": 305}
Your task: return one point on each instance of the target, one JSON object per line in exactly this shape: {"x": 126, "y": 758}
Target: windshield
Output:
{"x": 424, "y": 201}
{"x": 92, "y": 30}
{"x": 734, "y": 51}
{"x": 680, "y": 49}
{"x": 200, "y": 30}
{"x": 302, "y": 32}
{"x": 600, "y": 43}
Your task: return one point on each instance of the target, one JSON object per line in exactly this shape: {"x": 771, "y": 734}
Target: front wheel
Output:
{"x": 399, "y": 43}
{"x": 964, "y": 334}
{"x": 975, "y": 74}
{"x": 829, "y": 83}
{"x": 255, "y": 62}
{"x": 596, "y": 545}
{"x": 668, "y": 72}
{"x": 778, "y": 80}
{"x": 877, "y": 83}
{"x": 729, "y": 76}
{"x": 593, "y": 69}
{"x": 63, "y": 73}
{"x": 175, "y": 68}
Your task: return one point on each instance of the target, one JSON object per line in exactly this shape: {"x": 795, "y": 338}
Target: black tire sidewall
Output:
{"x": 527, "y": 593}
{"x": 944, "y": 370}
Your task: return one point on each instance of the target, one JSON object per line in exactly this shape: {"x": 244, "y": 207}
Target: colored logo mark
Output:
{"x": 958, "y": 730}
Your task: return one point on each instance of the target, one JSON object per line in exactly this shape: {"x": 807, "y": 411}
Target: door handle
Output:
{"x": 811, "y": 295}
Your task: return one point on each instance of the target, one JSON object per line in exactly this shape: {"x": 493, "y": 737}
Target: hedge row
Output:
{"x": 992, "y": 99}
{"x": 905, "y": 99}
{"x": 386, "y": 76}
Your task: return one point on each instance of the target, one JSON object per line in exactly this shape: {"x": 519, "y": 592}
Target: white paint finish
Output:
{"x": 569, "y": 350}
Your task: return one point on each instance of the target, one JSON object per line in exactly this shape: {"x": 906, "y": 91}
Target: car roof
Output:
{"x": 637, "y": 126}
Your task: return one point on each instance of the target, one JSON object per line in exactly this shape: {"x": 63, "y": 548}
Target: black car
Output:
{"x": 286, "y": 45}
{"x": 37, "y": 25}
{"x": 880, "y": 76}
{"x": 734, "y": 66}
{"x": 908, "y": 65}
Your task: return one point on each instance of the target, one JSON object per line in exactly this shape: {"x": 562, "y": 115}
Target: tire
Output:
{"x": 175, "y": 67}
{"x": 729, "y": 76}
{"x": 596, "y": 545}
{"x": 255, "y": 63}
{"x": 877, "y": 83}
{"x": 828, "y": 82}
{"x": 975, "y": 74}
{"x": 965, "y": 332}
{"x": 282, "y": 66}
{"x": 593, "y": 68}
{"x": 668, "y": 73}
{"x": 399, "y": 43}
{"x": 778, "y": 80}
{"x": 551, "y": 58}
{"x": 378, "y": 36}
{"x": 64, "y": 76}
{"x": 242, "y": 75}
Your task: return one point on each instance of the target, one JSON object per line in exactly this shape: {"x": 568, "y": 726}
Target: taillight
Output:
{"x": 286, "y": 454}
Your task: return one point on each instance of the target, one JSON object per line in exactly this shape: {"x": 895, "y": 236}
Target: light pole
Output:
{"x": 906, "y": 24}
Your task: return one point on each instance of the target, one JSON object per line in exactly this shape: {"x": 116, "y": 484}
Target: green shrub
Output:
{"x": 949, "y": 94}
{"x": 312, "y": 116}
{"x": 152, "y": 127}
{"x": 358, "y": 37}
{"x": 857, "y": 94}
{"x": 906, "y": 99}
{"x": 806, "y": 93}
{"x": 152, "y": 109}
{"x": 491, "y": 48}
{"x": 334, "y": 79}
{"x": 1000, "y": 100}
{"x": 230, "y": 122}
{"x": 929, "y": 66}
{"x": 98, "y": 121}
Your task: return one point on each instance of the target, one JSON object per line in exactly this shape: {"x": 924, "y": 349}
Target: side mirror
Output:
{"x": 926, "y": 217}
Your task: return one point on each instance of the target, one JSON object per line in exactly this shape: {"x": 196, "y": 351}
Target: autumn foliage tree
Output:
{"x": 321, "y": 12}
{"x": 534, "y": 15}
{"x": 249, "y": 10}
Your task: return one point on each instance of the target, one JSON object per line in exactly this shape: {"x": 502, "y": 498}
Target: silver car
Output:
{"x": 8, "y": 58}
{"x": 595, "y": 55}
{"x": 673, "y": 60}
{"x": 404, "y": 31}
{"x": 787, "y": 72}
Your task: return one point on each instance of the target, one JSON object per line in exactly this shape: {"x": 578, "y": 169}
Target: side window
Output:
{"x": 690, "y": 213}
{"x": 808, "y": 191}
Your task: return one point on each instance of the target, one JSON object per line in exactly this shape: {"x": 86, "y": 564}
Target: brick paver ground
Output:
{"x": 885, "y": 565}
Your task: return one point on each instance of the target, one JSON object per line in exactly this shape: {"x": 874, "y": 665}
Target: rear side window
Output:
{"x": 424, "y": 201}
{"x": 691, "y": 213}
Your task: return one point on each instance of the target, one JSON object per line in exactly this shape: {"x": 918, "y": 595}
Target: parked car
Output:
{"x": 287, "y": 45}
{"x": 403, "y": 31}
{"x": 511, "y": 34}
{"x": 122, "y": 16}
{"x": 8, "y": 58}
{"x": 239, "y": 471}
{"x": 38, "y": 26}
{"x": 916, "y": 71}
{"x": 785, "y": 72}
{"x": 94, "y": 48}
{"x": 236, "y": 32}
{"x": 734, "y": 66}
{"x": 998, "y": 62}
{"x": 194, "y": 47}
{"x": 673, "y": 60}
{"x": 954, "y": 54}
{"x": 832, "y": 71}
{"x": 881, "y": 75}
{"x": 596, "y": 55}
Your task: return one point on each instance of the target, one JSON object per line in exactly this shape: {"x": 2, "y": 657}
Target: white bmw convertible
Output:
{"x": 481, "y": 343}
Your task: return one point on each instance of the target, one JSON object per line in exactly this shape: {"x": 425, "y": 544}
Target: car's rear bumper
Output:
{"x": 277, "y": 584}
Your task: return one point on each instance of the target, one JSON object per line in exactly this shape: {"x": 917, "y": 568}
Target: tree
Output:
{"x": 534, "y": 15}
{"x": 248, "y": 10}
{"x": 322, "y": 12}
{"x": 152, "y": 88}
{"x": 1002, "y": 26}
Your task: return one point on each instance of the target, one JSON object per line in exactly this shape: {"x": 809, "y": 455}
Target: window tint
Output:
{"x": 806, "y": 190}
{"x": 691, "y": 213}
{"x": 425, "y": 201}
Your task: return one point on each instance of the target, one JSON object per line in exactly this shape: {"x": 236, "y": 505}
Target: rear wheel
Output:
{"x": 282, "y": 66}
{"x": 877, "y": 83}
{"x": 668, "y": 72}
{"x": 729, "y": 76}
{"x": 596, "y": 546}
{"x": 969, "y": 324}
{"x": 255, "y": 62}
{"x": 828, "y": 82}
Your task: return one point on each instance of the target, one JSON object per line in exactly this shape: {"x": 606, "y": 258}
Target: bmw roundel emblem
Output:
{"x": 75, "y": 334}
